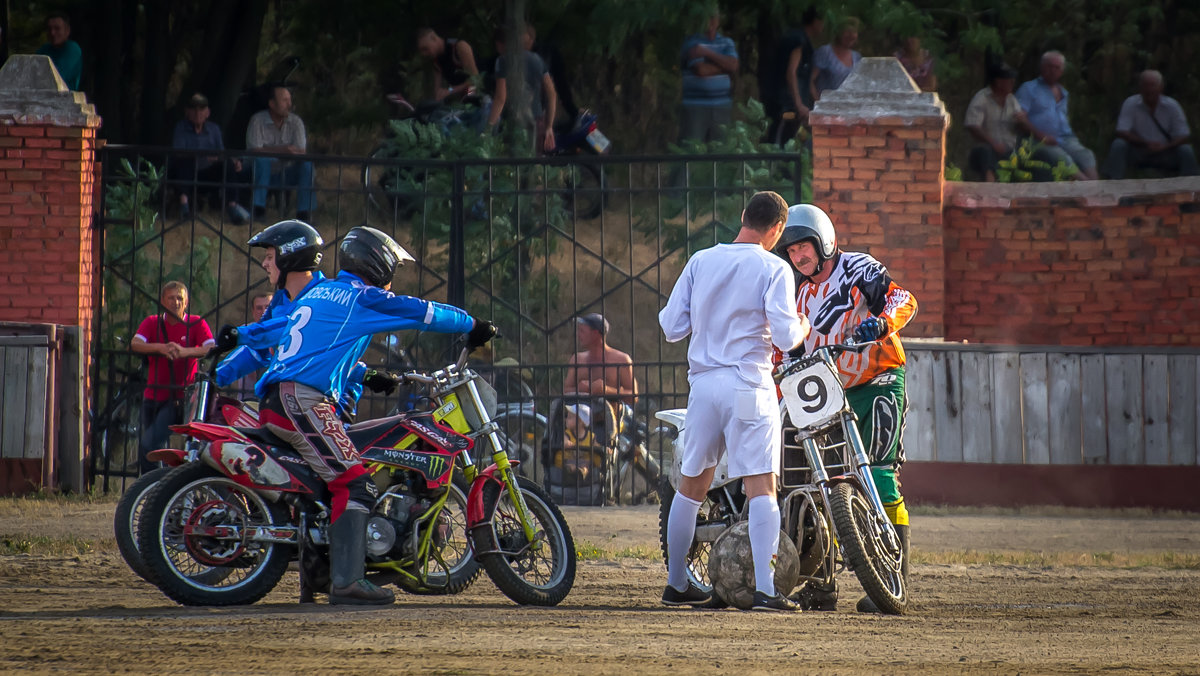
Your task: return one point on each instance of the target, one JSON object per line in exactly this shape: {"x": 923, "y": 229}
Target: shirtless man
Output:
{"x": 599, "y": 370}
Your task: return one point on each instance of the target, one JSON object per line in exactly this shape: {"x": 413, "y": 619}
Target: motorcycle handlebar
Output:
{"x": 835, "y": 350}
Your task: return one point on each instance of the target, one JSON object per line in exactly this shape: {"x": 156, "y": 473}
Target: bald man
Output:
{"x": 1152, "y": 132}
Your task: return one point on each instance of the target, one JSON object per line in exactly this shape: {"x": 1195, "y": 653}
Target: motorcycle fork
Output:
{"x": 500, "y": 458}
{"x": 862, "y": 471}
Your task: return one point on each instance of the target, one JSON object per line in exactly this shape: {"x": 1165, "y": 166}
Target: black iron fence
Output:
{"x": 530, "y": 243}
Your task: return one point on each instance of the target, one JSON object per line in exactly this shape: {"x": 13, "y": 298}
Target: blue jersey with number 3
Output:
{"x": 329, "y": 328}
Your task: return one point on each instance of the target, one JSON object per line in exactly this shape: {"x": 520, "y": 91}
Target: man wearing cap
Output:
{"x": 600, "y": 370}
{"x": 196, "y": 132}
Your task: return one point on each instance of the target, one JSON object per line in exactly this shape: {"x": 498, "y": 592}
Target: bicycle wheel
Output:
{"x": 583, "y": 192}
{"x": 384, "y": 184}
{"x": 115, "y": 439}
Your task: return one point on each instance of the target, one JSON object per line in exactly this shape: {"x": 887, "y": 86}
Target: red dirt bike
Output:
{"x": 197, "y": 408}
{"x": 250, "y": 504}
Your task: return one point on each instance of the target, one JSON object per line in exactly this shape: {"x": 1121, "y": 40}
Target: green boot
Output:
{"x": 865, "y": 604}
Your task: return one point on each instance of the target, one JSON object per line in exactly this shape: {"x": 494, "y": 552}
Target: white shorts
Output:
{"x": 724, "y": 412}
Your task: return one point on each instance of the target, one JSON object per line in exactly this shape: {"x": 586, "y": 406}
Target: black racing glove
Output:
{"x": 227, "y": 338}
{"x": 381, "y": 381}
{"x": 797, "y": 352}
{"x": 870, "y": 330}
{"x": 480, "y": 334}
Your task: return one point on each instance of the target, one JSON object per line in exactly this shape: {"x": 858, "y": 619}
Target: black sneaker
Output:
{"x": 692, "y": 596}
{"x": 778, "y": 603}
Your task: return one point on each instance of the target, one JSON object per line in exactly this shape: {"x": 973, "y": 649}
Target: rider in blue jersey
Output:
{"x": 293, "y": 274}
{"x": 326, "y": 332}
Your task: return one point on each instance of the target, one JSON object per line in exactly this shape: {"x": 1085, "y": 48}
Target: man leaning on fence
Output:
{"x": 202, "y": 174}
{"x": 173, "y": 342}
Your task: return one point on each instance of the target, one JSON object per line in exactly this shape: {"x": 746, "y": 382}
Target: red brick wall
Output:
{"x": 881, "y": 183}
{"x": 1095, "y": 269}
{"x": 46, "y": 189}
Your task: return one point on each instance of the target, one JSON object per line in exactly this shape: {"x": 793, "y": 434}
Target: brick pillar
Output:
{"x": 879, "y": 147}
{"x": 47, "y": 144}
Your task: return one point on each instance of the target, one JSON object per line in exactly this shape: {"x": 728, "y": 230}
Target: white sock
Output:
{"x": 764, "y": 541}
{"x": 681, "y": 529}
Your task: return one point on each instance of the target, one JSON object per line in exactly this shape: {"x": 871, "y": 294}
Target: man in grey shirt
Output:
{"x": 278, "y": 131}
{"x": 1152, "y": 132}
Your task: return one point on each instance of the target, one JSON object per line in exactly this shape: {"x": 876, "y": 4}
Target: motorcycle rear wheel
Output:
{"x": 864, "y": 550}
{"x": 534, "y": 576}
{"x": 128, "y": 514}
{"x": 456, "y": 550}
{"x": 697, "y": 558}
{"x": 197, "y": 493}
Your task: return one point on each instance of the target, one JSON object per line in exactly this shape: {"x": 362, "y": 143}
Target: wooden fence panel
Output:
{"x": 12, "y": 421}
{"x": 920, "y": 437}
{"x": 37, "y": 386}
{"x": 976, "y": 406}
{"x": 1155, "y": 384}
{"x": 1007, "y": 442}
{"x": 1123, "y": 398}
{"x": 1095, "y": 429}
{"x": 1065, "y": 421}
{"x": 948, "y": 406}
{"x": 1183, "y": 421}
{"x": 1035, "y": 408}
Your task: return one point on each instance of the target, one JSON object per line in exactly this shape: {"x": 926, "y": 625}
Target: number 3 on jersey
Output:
{"x": 292, "y": 342}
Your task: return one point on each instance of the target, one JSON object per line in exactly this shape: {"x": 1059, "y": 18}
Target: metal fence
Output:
{"x": 530, "y": 243}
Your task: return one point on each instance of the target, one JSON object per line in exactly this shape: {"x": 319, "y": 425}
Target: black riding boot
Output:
{"x": 865, "y": 604}
{"x": 347, "y": 557}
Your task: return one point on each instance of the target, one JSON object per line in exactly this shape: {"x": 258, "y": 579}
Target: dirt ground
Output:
{"x": 1013, "y": 613}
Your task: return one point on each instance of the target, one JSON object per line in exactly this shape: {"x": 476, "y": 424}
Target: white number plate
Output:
{"x": 598, "y": 141}
{"x": 813, "y": 395}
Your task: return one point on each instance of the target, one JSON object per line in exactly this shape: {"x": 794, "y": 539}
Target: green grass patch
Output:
{"x": 22, "y": 543}
{"x": 587, "y": 551}
{"x": 1030, "y": 559}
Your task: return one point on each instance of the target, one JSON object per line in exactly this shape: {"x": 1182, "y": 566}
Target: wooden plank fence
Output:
{"x": 1052, "y": 405}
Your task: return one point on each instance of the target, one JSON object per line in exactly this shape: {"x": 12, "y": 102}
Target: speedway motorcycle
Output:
{"x": 200, "y": 403}
{"x": 827, "y": 497}
{"x": 249, "y": 504}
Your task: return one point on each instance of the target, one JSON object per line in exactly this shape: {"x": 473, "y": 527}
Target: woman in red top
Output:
{"x": 173, "y": 342}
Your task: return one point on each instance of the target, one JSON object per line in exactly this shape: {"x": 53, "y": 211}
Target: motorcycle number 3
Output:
{"x": 812, "y": 395}
{"x": 296, "y": 322}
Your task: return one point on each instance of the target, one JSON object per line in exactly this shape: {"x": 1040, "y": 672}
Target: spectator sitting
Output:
{"x": 62, "y": 50}
{"x": 833, "y": 63}
{"x": 173, "y": 342}
{"x": 1152, "y": 132}
{"x": 278, "y": 130}
{"x": 542, "y": 97}
{"x": 787, "y": 88}
{"x": 1044, "y": 101}
{"x": 196, "y": 132}
{"x": 709, "y": 61}
{"x": 996, "y": 120}
{"x": 453, "y": 63}
{"x": 918, "y": 63}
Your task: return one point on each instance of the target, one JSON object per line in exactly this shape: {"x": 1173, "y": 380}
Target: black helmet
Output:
{"x": 372, "y": 255}
{"x": 808, "y": 222}
{"x": 297, "y": 246}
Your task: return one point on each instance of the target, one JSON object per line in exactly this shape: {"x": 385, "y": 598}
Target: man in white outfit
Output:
{"x": 735, "y": 300}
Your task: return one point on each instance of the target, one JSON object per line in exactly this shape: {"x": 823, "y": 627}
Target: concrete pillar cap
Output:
{"x": 32, "y": 93}
{"x": 878, "y": 88}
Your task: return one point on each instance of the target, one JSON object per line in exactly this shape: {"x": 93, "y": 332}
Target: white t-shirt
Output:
{"x": 735, "y": 300}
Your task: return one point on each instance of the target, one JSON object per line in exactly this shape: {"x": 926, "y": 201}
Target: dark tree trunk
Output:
{"x": 156, "y": 70}
{"x": 517, "y": 108}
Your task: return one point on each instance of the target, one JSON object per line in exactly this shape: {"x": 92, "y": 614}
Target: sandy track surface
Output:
{"x": 88, "y": 613}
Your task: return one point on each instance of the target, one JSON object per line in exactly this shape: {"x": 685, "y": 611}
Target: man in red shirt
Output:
{"x": 173, "y": 342}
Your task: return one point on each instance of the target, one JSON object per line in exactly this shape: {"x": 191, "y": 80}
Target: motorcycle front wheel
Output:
{"x": 538, "y": 573}
{"x": 188, "y": 504}
{"x": 862, "y": 544}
